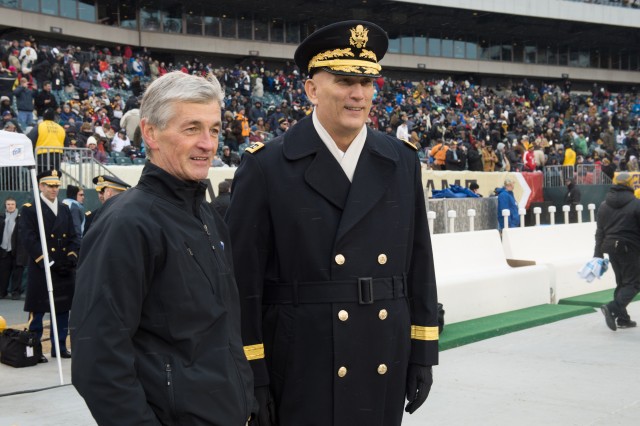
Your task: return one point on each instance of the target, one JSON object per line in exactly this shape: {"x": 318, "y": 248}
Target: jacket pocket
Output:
{"x": 200, "y": 266}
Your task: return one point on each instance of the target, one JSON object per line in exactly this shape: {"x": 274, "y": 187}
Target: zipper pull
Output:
{"x": 206, "y": 229}
{"x": 167, "y": 368}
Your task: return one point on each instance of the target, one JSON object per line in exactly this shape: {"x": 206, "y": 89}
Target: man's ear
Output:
{"x": 148, "y": 134}
{"x": 311, "y": 89}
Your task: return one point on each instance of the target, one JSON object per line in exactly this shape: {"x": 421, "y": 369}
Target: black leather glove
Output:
{"x": 266, "y": 408}
{"x": 72, "y": 261}
{"x": 419, "y": 381}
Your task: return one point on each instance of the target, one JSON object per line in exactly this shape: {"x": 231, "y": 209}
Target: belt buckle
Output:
{"x": 365, "y": 291}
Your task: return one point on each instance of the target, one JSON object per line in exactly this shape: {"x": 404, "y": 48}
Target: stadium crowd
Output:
{"x": 456, "y": 124}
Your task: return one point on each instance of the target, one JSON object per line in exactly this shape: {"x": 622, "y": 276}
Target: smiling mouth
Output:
{"x": 200, "y": 158}
{"x": 354, "y": 108}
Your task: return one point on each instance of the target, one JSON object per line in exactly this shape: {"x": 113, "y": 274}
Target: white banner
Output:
{"x": 15, "y": 150}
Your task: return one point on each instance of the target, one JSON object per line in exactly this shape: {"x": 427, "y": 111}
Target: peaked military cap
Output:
{"x": 345, "y": 48}
{"x": 106, "y": 181}
{"x": 49, "y": 177}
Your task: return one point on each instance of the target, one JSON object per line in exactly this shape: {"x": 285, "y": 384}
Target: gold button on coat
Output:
{"x": 383, "y": 314}
{"x": 343, "y": 315}
{"x": 53, "y": 249}
{"x": 342, "y": 371}
{"x": 382, "y": 259}
{"x": 340, "y": 259}
{"x": 382, "y": 369}
{"x": 53, "y": 236}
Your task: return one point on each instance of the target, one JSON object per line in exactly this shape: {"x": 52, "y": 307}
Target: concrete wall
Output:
{"x": 547, "y": 9}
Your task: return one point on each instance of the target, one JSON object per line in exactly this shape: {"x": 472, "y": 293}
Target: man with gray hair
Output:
{"x": 507, "y": 201}
{"x": 156, "y": 331}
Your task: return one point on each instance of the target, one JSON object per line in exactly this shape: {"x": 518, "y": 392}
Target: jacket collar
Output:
{"x": 373, "y": 173}
{"x": 302, "y": 140}
{"x": 187, "y": 195}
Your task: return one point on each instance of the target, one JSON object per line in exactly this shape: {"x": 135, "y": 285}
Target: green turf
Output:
{"x": 592, "y": 299}
{"x": 465, "y": 332}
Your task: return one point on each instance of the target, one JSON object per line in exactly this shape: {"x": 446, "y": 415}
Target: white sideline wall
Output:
{"x": 565, "y": 249}
{"x": 474, "y": 279}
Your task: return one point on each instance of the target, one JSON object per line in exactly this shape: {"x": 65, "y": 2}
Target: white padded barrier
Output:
{"x": 474, "y": 279}
{"x": 565, "y": 249}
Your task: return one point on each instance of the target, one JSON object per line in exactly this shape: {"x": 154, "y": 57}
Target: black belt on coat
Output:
{"x": 363, "y": 291}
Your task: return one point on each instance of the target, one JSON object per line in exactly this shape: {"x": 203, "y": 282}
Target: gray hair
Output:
{"x": 161, "y": 95}
{"x": 509, "y": 181}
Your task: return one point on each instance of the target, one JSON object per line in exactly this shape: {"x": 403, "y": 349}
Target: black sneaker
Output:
{"x": 626, "y": 323}
{"x": 608, "y": 317}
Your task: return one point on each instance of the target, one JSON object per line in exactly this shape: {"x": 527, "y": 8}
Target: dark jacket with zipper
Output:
{"x": 618, "y": 228}
{"x": 156, "y": 324}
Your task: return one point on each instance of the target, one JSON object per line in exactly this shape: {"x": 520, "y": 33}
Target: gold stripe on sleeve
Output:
{"x": 424, "y": 333}
{"x": 254, "y": 352}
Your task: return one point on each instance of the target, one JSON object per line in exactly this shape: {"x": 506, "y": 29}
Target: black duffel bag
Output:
{"x": 19, "y": 348}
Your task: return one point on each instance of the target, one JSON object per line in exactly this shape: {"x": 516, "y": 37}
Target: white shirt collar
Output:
{"x": 52, "y": 205}
{"x": 348, "y": 160}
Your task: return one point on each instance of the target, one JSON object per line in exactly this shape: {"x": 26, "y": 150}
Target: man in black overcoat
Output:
{"x": 332, "y": 252}
{"x": 63, "y": 247}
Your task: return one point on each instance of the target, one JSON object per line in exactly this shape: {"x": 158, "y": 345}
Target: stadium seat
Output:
{"x": 139, "y": 160}
{"x": 115, "y": 154}
{"x": 123, "y": 161}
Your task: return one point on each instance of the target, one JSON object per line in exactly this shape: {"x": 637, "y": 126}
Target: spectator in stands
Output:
{"x": 274, "y": 118}
{"x": 507, "y": 201}
{"x": 9, "y": 126}
{"x": 67, "y": 114}
{"x": 439, "y": 154}
{"x": 45, "y": 100}
{"x": 489, "y": 159}
{"x": 24, "y": 95}
{"x": 8, "y": 118}
{"x": 502, "y": 165}
{"x": 257, "y": 112}
{"x": 529, "y": 159}
{"x": 222, "y": 201}
{"x": 618, "y": 235}
{"x": 474, "y": 156}
{"x": 456, "y": 158}
{"x": 28, "y": 56}
{"x": 283, "y": 126}
{"x": 120, "y": 141}
{"x": 402, "y": 131}
{"x": 229, "y": 157}
{"x": 5, "y": 105}
{"x": 99, "y": 156}
{"x": 539, "y": 157}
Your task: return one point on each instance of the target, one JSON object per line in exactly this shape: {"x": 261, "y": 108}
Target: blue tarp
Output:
{"x": 454, "y": 191}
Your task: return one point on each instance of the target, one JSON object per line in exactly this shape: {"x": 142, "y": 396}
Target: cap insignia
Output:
{"x": 359, "y": 36}
{"x": 54, "y": 173}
